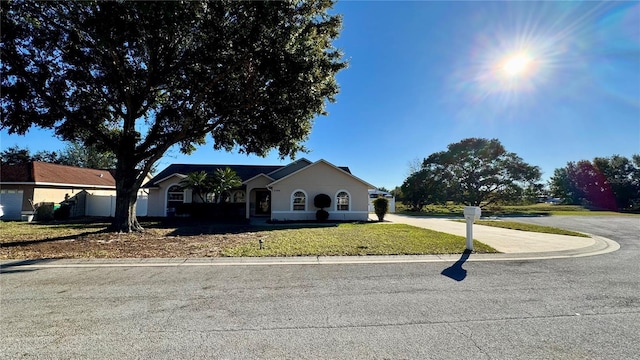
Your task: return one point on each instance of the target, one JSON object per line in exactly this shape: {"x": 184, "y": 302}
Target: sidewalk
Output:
{"x": 509, "y": 241}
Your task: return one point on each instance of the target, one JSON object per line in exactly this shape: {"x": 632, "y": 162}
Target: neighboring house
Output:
{"x": 281, "y": 193}
{"x": 90, "y": 192}
{"x": 374, "y": 194}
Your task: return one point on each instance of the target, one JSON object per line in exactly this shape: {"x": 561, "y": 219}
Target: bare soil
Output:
{"x": 186, "y": 239}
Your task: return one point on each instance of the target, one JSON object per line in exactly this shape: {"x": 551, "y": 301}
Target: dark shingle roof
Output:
{"x": 245, "y": 172}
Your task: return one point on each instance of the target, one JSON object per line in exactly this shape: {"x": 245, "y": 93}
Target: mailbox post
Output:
{"x": 471, "y": 214}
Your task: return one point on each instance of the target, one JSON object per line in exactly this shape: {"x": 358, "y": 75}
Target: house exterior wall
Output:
{"x": 320, "y": 178}
{"x": 155, "y": 204}
{"x": 260, "y": 182}
{"x": 56, "y": 195}
{"x": 157, "y": 199}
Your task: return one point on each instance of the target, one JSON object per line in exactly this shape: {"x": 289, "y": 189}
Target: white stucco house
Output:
{"x": 278, "y": 192}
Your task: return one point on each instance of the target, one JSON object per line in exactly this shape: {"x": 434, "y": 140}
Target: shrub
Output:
{"x": 322, "y": 201}
{"x": 322, "y": 215}
{"x": 62, "y": 213}
{"x": 44, "y": 212}
{"x": 380, "y": 206}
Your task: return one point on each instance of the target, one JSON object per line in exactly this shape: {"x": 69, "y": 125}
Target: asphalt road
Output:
{"x": 578, "y": 308}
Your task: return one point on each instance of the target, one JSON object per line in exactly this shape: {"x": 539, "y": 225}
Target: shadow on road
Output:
{"x": 456, "y": 271}
{"x": 14, "y": 266}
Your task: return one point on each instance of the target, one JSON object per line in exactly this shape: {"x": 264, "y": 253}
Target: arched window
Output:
{"x": 175, "y": 196}
{"x": 238, "y": 196}
{"x": 175, "y": 193}
{"x": 342, "y": 201}
{"x": 299, "y": 201}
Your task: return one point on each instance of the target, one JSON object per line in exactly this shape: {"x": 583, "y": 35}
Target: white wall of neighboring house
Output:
{"x": 105, "y": 205}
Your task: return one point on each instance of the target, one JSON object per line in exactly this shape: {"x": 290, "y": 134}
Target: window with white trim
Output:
{"x": 175, "y": 197}
{"x": 342, "y": 201}
{"x": 175, "y": 194}
{"x": 299, "y": 201}
{"x": 238, "y": 196}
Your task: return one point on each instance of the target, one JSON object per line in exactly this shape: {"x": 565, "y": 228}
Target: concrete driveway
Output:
{"x": 513, "y": 241}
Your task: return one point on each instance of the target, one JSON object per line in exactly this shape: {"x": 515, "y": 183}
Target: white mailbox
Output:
{"x": 472, "y": 213}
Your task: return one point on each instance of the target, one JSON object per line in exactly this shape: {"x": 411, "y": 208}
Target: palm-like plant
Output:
{"x": 225, "y": 180}
{"x": 200, "y": 184}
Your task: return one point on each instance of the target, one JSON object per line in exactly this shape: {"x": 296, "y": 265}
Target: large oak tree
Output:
{"x": 136, "y": 78}
{"x": 478, "y": 171}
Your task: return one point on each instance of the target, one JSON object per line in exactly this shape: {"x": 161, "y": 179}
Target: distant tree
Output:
{"x": 423, "y": 187}
{"x": 605, "y": 183}
{"x": 74, "y": 154}
{"x": 200, "y": 184}
{"x": 481, "y": 172}
{"x": 223, "y": 181}
{"x": 533, "y": 193}
{"x": 77, "y": 154}
{"x": 397, "y": 193}
{"x": 16, "y": 155}
{"x": 136, "y": 78}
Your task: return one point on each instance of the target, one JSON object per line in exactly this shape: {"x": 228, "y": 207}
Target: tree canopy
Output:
{"x": 605, "y": 183}
{"x": 473, "y": 171}
{"x": 136, "y": 78}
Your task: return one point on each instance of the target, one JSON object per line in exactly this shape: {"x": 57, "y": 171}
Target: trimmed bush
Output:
{"x": 322, "y": 215}
{"x": 322, "y": 201}
{"x": 381, "y": 206}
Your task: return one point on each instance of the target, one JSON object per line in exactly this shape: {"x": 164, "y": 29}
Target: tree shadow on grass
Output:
{"x": 456, "y": 271}
{"x": 190, "y": 227}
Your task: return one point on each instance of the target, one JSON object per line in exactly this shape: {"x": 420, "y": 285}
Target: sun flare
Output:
{"x": 516, "y": 65}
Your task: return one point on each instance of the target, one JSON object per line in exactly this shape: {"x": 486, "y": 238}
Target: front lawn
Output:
{"x": 514, "y": 225}
{"x": 188, "y": 239}
{"x": 356, "y": 239}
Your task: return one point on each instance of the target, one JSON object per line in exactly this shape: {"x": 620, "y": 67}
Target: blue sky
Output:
{"x": 423, "y": 75}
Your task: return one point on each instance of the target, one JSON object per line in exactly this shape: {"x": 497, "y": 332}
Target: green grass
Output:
{"x": 528, "y": 227}
{"x": 455, "y": 210}
{"x": 356, "y": 239}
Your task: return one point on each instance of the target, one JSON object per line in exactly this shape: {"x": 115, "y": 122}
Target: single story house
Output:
{"x": 90, "y": 192}
{"x": 281, "y": 193}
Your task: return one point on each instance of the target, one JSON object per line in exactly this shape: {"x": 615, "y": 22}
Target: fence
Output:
{"x": 105, "y": 205}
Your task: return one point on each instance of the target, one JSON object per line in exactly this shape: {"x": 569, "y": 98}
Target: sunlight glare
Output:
{"x": 516, "y": 65}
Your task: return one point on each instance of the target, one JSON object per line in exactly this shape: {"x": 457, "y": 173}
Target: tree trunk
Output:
{"x": 125, "y": 219}
{"x": 128, "y": 182}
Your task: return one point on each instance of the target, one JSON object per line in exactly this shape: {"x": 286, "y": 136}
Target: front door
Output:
{"x": 263, "y": 202}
